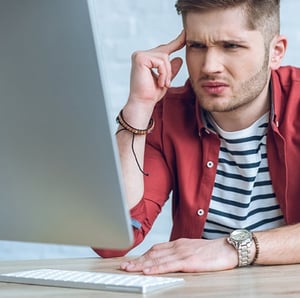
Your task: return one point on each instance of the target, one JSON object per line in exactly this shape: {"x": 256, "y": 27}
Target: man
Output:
{"x": 227, "y": 144}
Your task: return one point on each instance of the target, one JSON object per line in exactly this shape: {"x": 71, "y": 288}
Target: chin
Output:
{"x": 215, "y": 105}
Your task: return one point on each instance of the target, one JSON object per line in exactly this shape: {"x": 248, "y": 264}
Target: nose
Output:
{"x": 212, "y": 61}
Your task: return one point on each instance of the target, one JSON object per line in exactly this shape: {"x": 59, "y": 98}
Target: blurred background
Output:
{"x": 123, "y": 27}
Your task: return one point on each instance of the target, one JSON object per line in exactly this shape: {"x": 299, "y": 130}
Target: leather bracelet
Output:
{"x": 256, "y": 243}
{"x": 120, "y": 119}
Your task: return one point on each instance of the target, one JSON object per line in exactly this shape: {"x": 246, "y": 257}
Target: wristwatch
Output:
{"x": 241, "y": 240}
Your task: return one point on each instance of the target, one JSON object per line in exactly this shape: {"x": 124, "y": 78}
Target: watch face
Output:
{"x": 240, "y": 235}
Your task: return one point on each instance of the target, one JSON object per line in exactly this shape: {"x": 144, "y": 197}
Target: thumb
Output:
{"x": 176, "y": 64}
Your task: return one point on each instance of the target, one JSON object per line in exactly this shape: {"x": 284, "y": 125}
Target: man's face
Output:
{"x": 228, "y": 64}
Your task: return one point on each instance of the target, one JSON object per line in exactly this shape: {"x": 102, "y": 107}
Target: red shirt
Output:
{"x": 182, "y": 154}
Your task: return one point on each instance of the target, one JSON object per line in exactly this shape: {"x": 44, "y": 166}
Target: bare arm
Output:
{"x": 146, "y": 89}
{"x": 277, "y": 246}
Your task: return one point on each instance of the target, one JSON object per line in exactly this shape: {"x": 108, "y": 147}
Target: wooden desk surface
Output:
{"x": 255, "y": 281}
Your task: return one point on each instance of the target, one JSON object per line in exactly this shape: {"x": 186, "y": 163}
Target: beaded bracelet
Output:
{"x": 256, "y": 248}
{"x": 135, "y": 131}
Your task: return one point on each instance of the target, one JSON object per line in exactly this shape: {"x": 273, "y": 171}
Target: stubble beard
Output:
{"x": 247, "y": 93}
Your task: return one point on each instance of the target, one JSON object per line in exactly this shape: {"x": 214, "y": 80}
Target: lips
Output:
{"x": 214, "y": 87}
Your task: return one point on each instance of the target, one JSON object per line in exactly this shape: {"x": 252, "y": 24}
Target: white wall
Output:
{"x": 125, "y": 26}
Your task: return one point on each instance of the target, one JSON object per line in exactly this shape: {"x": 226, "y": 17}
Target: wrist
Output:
{"x": 137, "y": 114}
{"x": 255, "y": 249}
{"x": 135, "y": 131}
{"x": 246, "y": 246}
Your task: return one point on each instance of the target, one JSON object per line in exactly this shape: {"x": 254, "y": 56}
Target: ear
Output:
{"x": 277, "y": 51}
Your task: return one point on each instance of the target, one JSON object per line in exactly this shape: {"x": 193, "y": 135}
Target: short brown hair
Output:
{"x": 263, "y": 15}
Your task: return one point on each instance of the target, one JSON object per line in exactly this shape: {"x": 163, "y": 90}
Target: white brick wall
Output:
{"x": 129, "y": 25}
{"x": 290, "y": 27}
{"x": 125, "y": 26}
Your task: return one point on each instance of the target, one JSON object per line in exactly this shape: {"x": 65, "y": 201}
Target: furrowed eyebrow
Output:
{"x": 225, "y": 41}
{"x": 194, "y": 42}
{"x": 235, "y": 41}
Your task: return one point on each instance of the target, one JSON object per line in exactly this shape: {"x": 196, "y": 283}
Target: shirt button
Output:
{"x": 200, "y": 212}
{"x": 210, "y": 164}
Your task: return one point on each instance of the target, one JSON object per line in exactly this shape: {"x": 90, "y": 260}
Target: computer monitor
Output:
{"x": 60, "y": 176}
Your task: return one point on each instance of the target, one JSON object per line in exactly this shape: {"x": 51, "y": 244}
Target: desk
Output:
{"x": 255, "y": 281}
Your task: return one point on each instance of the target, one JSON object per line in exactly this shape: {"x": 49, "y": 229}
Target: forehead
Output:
{"x": 219, "y": 24}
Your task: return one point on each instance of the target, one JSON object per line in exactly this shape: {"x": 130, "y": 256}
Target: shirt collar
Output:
{"x": 274, "y": 118}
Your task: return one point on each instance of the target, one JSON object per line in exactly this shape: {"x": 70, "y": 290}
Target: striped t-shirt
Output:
{"x": 243, "y": 196}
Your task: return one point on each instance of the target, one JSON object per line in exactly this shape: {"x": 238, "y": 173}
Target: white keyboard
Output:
{"x": 120, "y": 282}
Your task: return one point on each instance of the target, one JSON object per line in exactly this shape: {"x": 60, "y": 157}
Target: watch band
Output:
{"x": 241, "y": 240}
{"x": 244, "y": 253}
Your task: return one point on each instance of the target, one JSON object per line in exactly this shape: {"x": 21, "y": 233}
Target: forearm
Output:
{"x": 147, "y": 87}
{"x": 132, "y": 150}
{"x": 279, "y": 246}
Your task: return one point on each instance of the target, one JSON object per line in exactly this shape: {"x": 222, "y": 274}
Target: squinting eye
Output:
{"x": 196, "y": 45}
{"x": 231, "y": 46}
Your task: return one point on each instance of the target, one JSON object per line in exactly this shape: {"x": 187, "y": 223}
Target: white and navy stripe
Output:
{"x": 243, "y": 196}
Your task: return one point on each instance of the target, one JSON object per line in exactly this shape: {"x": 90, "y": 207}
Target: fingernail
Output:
{"x": 130, "y": 266}
{"x": 124, "y": 265}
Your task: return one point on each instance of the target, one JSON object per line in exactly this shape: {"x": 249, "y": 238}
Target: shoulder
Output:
{"x": 286, "y": 84}
{"x": 286, "y": 96}
{"x": 286, "y": 75}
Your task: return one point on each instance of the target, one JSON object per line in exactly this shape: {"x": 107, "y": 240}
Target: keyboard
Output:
{"x": 120, "y": 282}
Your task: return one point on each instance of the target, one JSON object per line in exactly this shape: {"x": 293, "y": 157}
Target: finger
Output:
{"x": 153, "y": 264}
{"x": 162, "y": 260}
{"x": 165, "y": 71}
{"x": 160, "y": 68}
{"x": 165, "y": 267}
{"x": 153, "y": 256}
{"x": 174, "y": 45}
{"x": 172, "y": 68}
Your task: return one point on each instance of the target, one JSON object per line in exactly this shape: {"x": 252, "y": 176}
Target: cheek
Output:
{"x": 244, "y": 67}
{"x": 193, "y": 62}
{"x": 256, "y": 60}
{"x": 251, "y": 68}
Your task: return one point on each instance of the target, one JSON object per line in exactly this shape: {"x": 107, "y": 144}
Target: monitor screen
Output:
{"x": 60, "y": 176}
